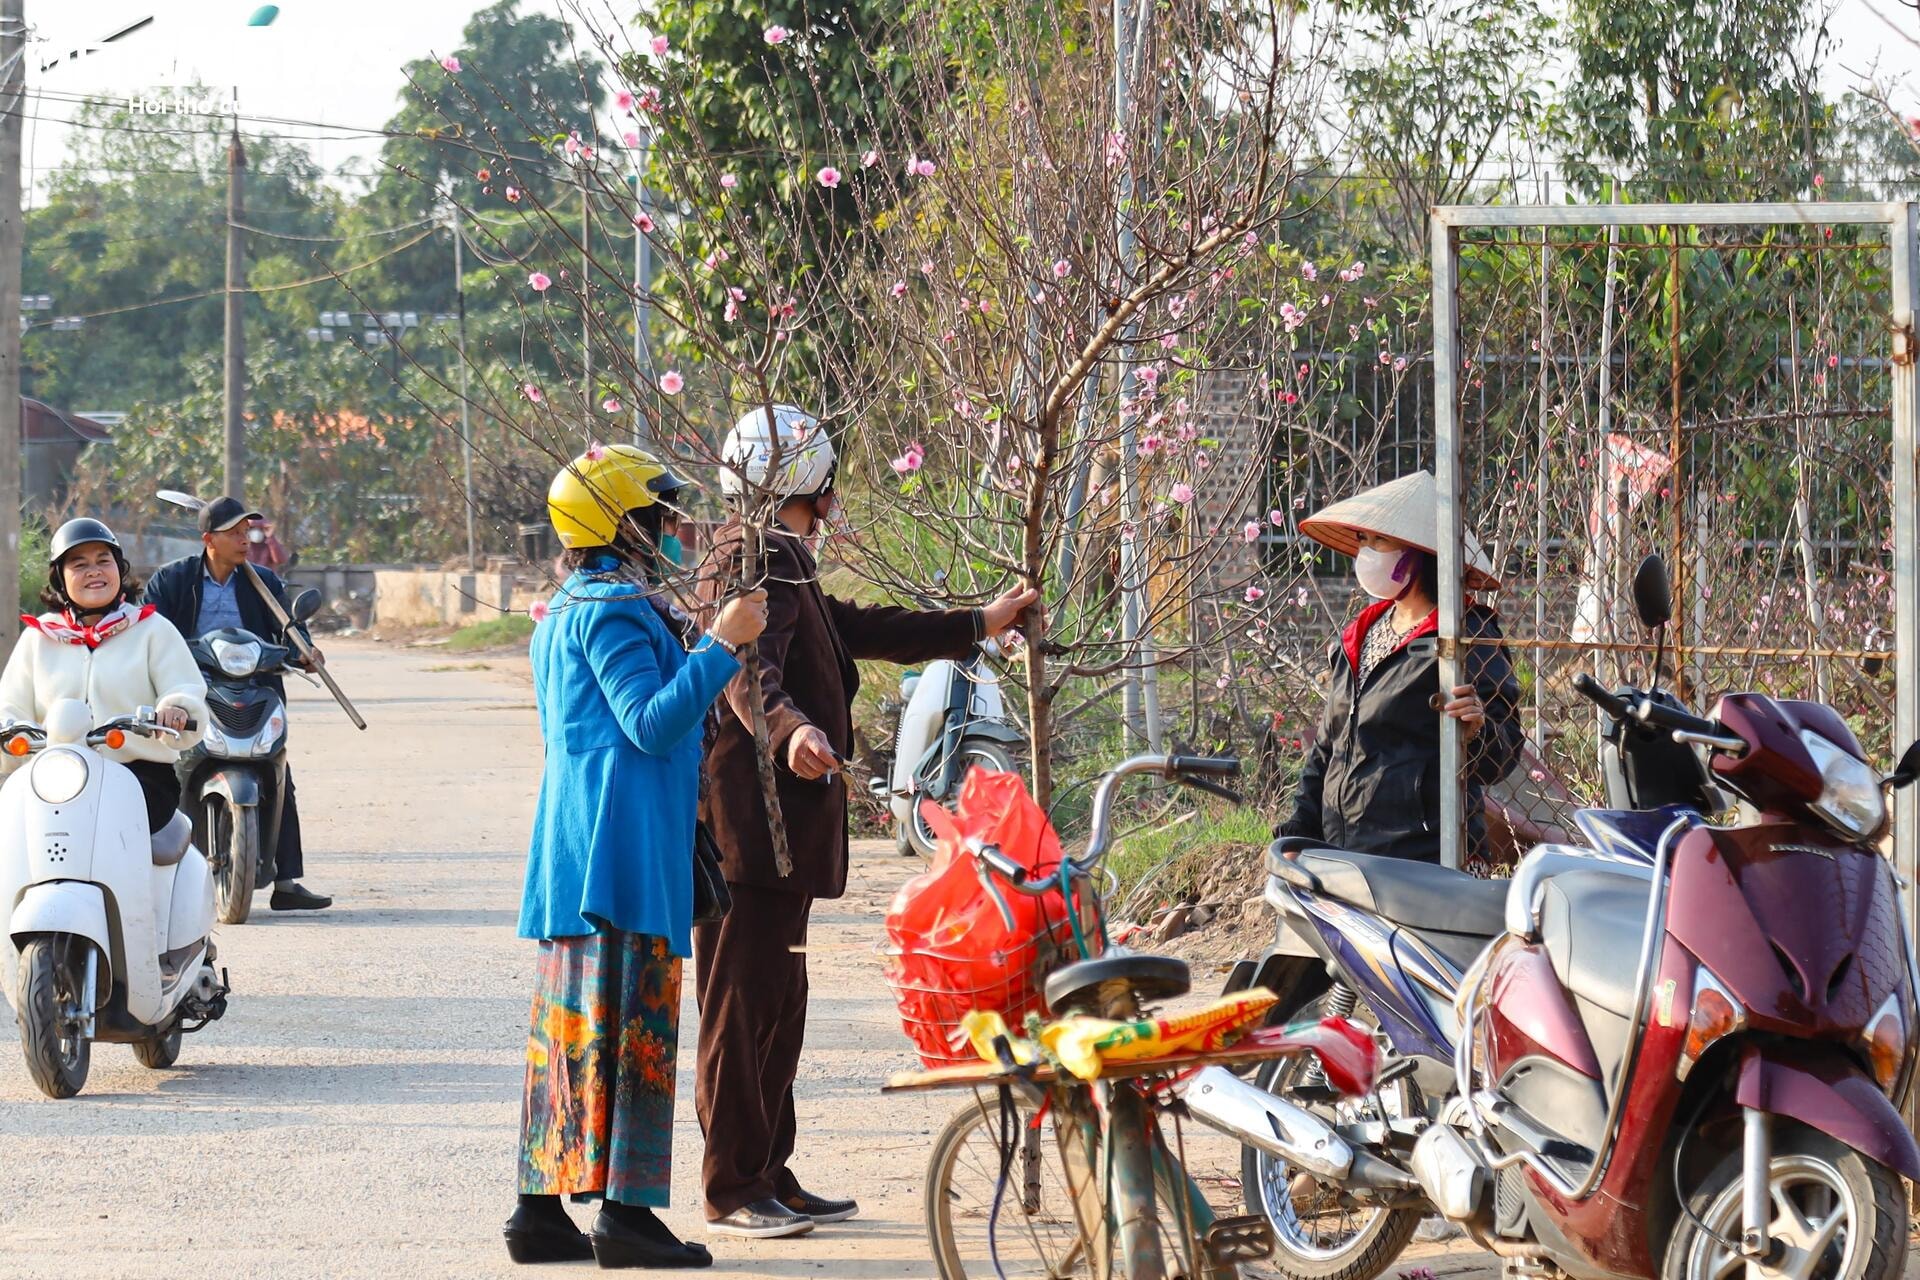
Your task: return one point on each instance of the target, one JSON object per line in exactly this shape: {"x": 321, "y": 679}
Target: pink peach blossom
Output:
{"x": 540, "y": 281}
{"x": 611, "y": 404}
{"x": 450, "y": 64}
{"x": 1254, "y": 594}
{"x": 1181, "y": 493}
{"x": 671, "y": 382}
{"x": 631, "y": 137}
{"x": 899, "y": 288}
{"x": 596, "y": 451}
{"x": 1062, "y": 269}
{"x": 1277, "y": 518}
{"x": 643, "y": 222}
{"x": 828, "y": 177}
{"x": 623, "y": 101}
{"x": 728, "y": 182}
{"x": 870, "y": 159}
{"x": 660, "y": 45}
{"x": 1250, "y": 531}
{"x": 531, "y": 392}
{"x": 538, "y": 611}
{"x": 775, "y": 35}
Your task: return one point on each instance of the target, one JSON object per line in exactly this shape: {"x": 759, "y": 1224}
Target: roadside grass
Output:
{"x": 509, "y": 630}
{"x": 1181, "y": 852}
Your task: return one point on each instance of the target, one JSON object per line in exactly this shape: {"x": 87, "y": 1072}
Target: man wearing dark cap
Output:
{"x": 207, "y": 592}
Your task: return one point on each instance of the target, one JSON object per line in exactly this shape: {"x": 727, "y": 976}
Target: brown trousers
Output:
{"x": 752, "y": 990}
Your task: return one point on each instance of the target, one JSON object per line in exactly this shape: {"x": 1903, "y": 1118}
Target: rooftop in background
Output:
{"x": 43, "y": 424}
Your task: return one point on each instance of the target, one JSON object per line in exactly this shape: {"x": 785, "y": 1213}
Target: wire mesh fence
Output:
{"x": 1717, "y": 393}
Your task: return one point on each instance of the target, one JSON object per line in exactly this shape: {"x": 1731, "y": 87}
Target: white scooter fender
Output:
{"x": 60, "y": 906}
{"x": 924, "y": 720}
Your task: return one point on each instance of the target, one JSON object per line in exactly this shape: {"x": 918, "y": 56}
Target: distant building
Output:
{"x": 50, "y": 445}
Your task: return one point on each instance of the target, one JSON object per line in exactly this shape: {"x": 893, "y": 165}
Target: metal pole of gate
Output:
{"x": 1447, "y": 538}
{"x": 1906, "y": 534}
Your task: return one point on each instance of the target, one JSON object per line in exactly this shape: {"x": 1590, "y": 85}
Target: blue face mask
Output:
{"x": 670, "y": 548}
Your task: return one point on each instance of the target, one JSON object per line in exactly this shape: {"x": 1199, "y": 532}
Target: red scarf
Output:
{"x": 63, "y": 628}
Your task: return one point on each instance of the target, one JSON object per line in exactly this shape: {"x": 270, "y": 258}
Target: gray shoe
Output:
{"x": 761, "y": 1220}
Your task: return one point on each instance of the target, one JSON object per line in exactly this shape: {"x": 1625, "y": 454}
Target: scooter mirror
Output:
{"x": 305, "y": 605}
{"x": 1908, "y": 769}
{"x": 1652, "y": 593}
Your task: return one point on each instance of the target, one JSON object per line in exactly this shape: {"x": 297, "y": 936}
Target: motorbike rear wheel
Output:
{"x": 1317, "y": 1236}
{"x": 159, "y": 1052}
{"x": 988, "y": 755}
{"x": 1837, "y": 1214}
{"x": 52, "y": 970}
{"x": 233, "y": 846}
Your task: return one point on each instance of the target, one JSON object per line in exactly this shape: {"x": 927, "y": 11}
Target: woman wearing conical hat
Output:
{"x": 1372, "y": 782}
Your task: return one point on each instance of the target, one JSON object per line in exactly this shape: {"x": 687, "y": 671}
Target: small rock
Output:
{"x": 1173, "y": 925}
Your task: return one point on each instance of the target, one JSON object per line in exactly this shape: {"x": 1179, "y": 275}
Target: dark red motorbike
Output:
{"x": 1690, "y": 1071}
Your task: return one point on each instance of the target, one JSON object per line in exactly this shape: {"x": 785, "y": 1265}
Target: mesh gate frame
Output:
{"x": 1901, "y": 221}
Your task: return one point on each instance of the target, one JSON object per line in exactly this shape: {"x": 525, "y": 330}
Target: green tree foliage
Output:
{"x": 136, "y": 220}
{"x": 1696, "y": 99}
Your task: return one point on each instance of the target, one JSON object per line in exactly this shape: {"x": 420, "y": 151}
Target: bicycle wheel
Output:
{"x": 1036, "y": 1235}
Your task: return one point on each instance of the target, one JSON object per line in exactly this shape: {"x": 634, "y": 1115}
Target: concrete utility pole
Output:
{"x": 1141, "y": 692}
{"x": 460, "y": 331}
{"x": 235, "y": 481}
{"x": 13, "y": 83}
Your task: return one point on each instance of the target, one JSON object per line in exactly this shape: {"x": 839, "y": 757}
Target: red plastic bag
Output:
{"x": 951, "y": 949}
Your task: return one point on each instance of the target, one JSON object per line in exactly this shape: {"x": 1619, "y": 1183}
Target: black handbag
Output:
{"x": 711, "y": 900}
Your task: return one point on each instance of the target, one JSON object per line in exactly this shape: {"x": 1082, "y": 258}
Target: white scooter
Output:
{"x": 109, "y": 924}
{"x": 952, "y": 718}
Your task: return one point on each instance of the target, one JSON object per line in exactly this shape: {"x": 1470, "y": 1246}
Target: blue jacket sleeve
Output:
{"x": 654, "y": 713}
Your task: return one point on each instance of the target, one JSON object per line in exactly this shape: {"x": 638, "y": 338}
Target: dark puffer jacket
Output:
{"x": 1372, "y": 781}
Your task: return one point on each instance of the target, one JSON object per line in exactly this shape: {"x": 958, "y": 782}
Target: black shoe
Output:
{"x": 298, "y": 898}
{"x": 539, "y": 1238}
{"x": 761, "y": 1220}
{"x": 820, "y": 1208}
{"x": 617, "y": 1245}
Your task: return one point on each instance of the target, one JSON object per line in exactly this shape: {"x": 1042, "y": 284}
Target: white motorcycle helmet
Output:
{"x": 807, "y": 460}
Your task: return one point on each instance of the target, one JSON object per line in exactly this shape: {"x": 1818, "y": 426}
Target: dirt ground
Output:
{"x": 355, "y": 1113}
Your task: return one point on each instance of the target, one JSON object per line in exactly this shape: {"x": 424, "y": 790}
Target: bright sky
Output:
{"x": 338, "y": 61}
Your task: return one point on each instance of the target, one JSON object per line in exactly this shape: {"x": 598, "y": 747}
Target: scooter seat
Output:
{"x": 1419, "y": 895}
{"x": 171, "y": 842}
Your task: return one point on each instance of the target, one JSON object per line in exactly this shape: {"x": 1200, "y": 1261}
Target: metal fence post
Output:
{"x": 1906, "y": 533}
{"x": 1447, "y": 537}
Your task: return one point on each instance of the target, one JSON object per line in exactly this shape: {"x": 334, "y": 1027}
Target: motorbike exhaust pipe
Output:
{"x": 1223, "y": 1101}
{"x": 205, "y": 985}
{"x": 1450, "y": 1172}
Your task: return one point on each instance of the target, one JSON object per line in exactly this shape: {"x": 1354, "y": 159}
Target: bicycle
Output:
{"x": 1130, "y": 1209}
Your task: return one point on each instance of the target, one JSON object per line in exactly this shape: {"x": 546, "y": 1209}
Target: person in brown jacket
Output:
{"x": 751, "y": 978}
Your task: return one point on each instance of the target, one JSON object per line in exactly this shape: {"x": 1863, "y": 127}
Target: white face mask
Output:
{"x": 1384, "y": 575}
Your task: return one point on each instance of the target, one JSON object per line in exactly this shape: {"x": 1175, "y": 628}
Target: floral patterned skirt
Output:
{"x": 598, "y": 1113}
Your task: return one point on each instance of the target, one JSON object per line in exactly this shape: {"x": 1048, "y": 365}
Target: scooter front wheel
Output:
{"x": 233, "y": 844}
{"x": 915, "y": 834}
{"x": 48, "y": 1013}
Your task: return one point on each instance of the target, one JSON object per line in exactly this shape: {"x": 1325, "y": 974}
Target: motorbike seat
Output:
{"x": 171, "y": 842}
{"x": 1420, "y": 895}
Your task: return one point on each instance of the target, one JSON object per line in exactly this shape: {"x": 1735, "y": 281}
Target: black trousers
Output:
{"x": 752, "y": 989}
{"x": 289, "y": 857}
{"x": 161, "y": 785}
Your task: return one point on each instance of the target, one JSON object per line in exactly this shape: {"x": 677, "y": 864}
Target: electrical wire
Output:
{"x": 255, "y": 289}
{"x": 359, "y": 235}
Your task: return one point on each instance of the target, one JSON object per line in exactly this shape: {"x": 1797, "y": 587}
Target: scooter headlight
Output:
{"x": 59, "y": 775}
{"x": 237, "y": 659}
{"x": 1850, "y": 796}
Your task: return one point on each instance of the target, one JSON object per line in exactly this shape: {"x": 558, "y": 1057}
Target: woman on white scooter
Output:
{"x": 96, "y": 646}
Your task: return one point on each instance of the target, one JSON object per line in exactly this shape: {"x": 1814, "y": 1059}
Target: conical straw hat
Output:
{"x": 1406, "y": 510}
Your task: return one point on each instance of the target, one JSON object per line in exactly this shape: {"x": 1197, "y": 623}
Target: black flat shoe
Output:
{"x": 298, "y": 898}
{"x": 530, "y": 1241}
{"x": 618, "y": 1245}
{"x": 761, "y": 1220}
{"x": 820, "y": 1208}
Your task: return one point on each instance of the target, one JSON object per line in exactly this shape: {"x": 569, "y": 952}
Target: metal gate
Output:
{"x": 1730, "y": 385}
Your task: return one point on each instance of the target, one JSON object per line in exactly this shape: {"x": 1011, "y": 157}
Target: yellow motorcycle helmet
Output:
{"x": 590, "y": 494}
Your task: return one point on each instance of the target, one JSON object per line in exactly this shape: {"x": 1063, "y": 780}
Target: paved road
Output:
{"x": 354, "y": 1115}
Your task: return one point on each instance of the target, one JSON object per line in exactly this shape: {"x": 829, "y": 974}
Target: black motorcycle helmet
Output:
{"x": 70, "y": 535}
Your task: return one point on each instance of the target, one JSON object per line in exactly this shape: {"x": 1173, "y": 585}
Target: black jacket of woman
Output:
{"x": 1372, "y": 780}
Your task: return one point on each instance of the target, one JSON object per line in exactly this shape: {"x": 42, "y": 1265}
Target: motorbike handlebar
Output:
{"x": 1647, "y": 711}
{"x": 1595, "y": 692}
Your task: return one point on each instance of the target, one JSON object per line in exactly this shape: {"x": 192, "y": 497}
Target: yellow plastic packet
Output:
{"x": 1084, "y": 1045}
{"x": 983, "y": 1027}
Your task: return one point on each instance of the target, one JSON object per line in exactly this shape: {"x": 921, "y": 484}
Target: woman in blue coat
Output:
{"x": 609, "y": 890}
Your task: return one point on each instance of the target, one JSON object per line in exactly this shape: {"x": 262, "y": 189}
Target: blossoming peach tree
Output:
{"x": 1055, "y": 338}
